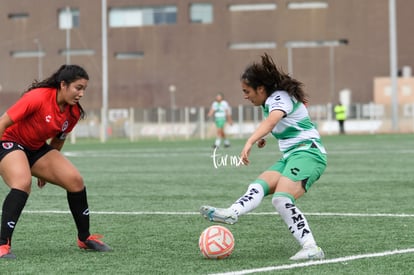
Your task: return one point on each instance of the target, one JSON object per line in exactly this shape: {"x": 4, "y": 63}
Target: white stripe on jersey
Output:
{"x": 296, "y": 126}
{"x": 220, "y": 108}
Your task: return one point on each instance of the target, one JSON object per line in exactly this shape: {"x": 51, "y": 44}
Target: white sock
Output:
{"x": 250, "y": 200}
{"x": 294, "y": 218}
{"x": 218, "y": 142}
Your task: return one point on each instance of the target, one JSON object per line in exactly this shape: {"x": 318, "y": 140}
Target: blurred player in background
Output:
{"x": 48, "y": 110}
{"x": 221, "y": 110}
{"x": 304, "y": 157}
{"x": 340, "y": 116}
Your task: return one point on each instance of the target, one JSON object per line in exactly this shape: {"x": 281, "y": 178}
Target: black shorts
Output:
{"x": 32, "y": 155}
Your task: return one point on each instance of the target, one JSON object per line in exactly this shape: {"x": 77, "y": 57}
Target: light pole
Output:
{"x": 393, "y": 62}
{"x": 39, "y": 59}
{"x": 67, "y": 25}
{"x": 172, "y": 90}
{"x": 105, "y": 84}
{"x": 70, "y": 25}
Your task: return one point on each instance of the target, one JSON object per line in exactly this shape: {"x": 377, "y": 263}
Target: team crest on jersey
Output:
{"x": 65, "y": 126}
{"x": 7, "y": 145}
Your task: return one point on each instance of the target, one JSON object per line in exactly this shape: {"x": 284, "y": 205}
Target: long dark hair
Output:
{"x": 272, "y": 78}
{"x": 67, "y": 74}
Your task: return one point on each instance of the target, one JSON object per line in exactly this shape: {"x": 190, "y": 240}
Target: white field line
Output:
{"x": 269, "y": 268}
{"x": 134, "y": 213}
{"x": 319, "y": 262}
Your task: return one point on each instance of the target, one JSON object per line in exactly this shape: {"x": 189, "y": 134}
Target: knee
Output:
{"x": 22, "y": 185}
{"x": 75, "y": 183}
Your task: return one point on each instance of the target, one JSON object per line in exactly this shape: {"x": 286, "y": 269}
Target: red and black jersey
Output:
{"x": 36, "y": 118}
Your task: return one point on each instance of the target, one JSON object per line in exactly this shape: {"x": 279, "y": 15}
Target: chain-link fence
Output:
{"x": 192, "y": 122}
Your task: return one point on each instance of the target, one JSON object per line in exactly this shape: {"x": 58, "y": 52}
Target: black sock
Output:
{"x": 78, "y": 205}
{"x": 12, "y": 209}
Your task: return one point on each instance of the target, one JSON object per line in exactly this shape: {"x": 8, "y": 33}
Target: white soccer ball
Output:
{"x": 216, "y": 242}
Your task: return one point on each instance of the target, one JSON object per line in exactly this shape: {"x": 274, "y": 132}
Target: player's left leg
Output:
{"x": 301, "y": 171}
{"x": 297, "y": 223}
{"x": 219, "y": 132}
{"x": 226, "y": 141}
{"x": 53, "y": 167}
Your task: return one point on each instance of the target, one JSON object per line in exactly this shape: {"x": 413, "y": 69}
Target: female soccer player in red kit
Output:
{"x": 48, "y": 110}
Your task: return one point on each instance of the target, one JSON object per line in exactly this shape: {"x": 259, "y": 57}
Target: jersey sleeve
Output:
{"x": 280, "y": 100}
{"x": 26, "y": 105}
{"x": 228, "y": 108}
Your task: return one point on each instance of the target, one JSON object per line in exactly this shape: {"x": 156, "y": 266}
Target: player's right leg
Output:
{"x": 246, "y": 203}
{"x": 15, "y": 171}
{"x": 221, "y": 215}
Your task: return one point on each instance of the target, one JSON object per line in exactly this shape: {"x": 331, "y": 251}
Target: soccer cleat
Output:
{"x": 5, "y": 252}
{"x": 309, "y": 253}
{"x": 221, "y": 215}
{"x": 93, "y": 243}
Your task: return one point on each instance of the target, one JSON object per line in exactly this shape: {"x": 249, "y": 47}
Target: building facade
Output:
{"x": 170, "y": 53}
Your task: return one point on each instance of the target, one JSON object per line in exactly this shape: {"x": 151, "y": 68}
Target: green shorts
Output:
{"x": 303, "y": 165}
{"x": 220, "y": 122}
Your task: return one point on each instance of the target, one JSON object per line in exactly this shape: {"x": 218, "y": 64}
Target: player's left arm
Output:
{"x": 57, "y": 143}
{"x": 229, "y": 118}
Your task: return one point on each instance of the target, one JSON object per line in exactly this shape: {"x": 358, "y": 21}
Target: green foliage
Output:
{"x": 144, "y": 198}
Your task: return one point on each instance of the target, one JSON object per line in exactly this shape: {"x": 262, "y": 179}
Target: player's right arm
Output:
{"x": 5, "y": 122}
{"x": 264, "y": 128}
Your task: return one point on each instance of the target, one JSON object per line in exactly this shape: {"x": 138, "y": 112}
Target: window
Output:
{"x": 201, "y": 13}
{"x": 316, "y": 43}
{"x": 307, "y": 5}
{"x": 76, "y": 52}
{"x": 253, "y": 7}
{"x": 27, "y": 54}
{"x": 68, "y": 18}
{"x": 252, "y": 45}
{"x": 18, "y": 16}
{"x": 142, "y": 16}
{"x": 129, "y": 55}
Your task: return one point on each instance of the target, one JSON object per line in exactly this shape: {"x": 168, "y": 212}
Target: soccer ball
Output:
{"x": 216, "y": 242}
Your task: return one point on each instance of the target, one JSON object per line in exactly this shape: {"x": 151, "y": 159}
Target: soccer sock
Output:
{"x": 12, "y": 208}
{"x": 218, "y": 142}
{"x": 294, "y": 218}
{"x": 78, "y": 205}
{"x": 252, "y": 198}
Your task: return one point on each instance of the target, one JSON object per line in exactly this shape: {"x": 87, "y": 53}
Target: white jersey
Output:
{"x": 220, "y": 109}
{"x": 295, "y": 127}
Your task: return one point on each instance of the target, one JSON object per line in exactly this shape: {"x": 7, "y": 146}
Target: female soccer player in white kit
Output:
{"x": 304, "y": 157}
{"x": 221, "y": 110}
